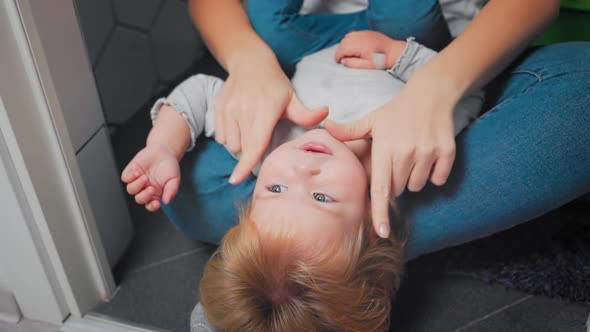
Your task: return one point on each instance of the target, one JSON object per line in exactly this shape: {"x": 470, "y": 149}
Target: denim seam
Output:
{"x": 539, "y": 77}
{"x": 496, "y": 108}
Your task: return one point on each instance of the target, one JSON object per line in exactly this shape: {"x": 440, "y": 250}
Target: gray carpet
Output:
{"x": 548, "y": 256}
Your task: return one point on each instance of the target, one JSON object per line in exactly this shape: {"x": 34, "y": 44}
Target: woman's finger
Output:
{"x": 403, "y": 162}
{"x": 253, "y": 147}
{"x": 443, "y": 166}
{"x": 380, "y": 190}
{"x": 352, "y": 131}
{"x": 420, "y": 173}
{"x": 232, "y": 136}
{"x": 220, "y": 126}
{"x": 137, "y": 185}
{"x": 302, "y": 115}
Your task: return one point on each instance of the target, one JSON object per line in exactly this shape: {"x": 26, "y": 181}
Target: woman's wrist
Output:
{"x": 247, "y": 57}
{"x": 439, "y": 90}
{"x": 439, "y": 83}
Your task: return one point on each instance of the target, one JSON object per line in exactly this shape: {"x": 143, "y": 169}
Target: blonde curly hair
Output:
{"x": 261, "y": 281}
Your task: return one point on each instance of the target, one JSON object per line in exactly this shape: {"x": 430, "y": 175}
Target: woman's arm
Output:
{"x": 413, "y": 137}
{"x": 257, "y": 92}
{"x": 492, "y": 40}
{"x": 225, "y": 27}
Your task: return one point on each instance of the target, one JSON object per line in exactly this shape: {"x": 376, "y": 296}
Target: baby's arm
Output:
{"x": 369, "y": 50}
{"x": 154, "y": 173}
{"x": 374, "y": 50}
{"x": 194, "y": 100}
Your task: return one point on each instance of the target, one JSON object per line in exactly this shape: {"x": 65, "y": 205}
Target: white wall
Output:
{"x": 48, "y": 250}
{"x": 9, "y": 311}
{"x": 22, "y": 271}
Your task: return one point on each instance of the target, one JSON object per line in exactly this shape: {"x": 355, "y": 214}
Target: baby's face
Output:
{"x": 314, "y": 183}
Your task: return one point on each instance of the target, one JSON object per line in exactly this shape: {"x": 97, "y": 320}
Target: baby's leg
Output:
{"x": 400, "y": 19}
{"x": 293, "y": 36}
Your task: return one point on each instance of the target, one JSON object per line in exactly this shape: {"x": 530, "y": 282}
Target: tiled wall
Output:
{"x": 138, "y": 50}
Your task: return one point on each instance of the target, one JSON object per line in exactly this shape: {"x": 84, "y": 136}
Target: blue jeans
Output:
{"x": 293, "y": 36}
{"x": 526, "y": 155}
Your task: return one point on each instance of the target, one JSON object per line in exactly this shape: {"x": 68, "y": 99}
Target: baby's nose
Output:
{"x": 305, "y": 167}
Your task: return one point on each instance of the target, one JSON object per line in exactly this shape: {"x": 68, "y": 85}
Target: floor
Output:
{"x": 28, "y": 326}
{"x": 159, "y": 280}
{"x": 159, "y": 287}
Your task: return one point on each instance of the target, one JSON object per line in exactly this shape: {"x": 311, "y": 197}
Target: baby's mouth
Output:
{"x": 316, "y": 147}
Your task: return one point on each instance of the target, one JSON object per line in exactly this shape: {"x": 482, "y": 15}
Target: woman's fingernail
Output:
{"x": 384, "y": 231}
{"x": 232, "y": 179}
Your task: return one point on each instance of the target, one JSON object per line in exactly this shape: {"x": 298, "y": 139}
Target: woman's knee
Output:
{"x": 403, "y": 19}
{"x": 272, "y": 20}
{"x": 557, "y": 60}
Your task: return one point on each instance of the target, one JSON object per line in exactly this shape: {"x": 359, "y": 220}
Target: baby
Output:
{"x": 304, "y": 256}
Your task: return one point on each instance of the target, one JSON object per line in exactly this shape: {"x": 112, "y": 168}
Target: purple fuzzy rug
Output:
{"x": 547, "y": 256}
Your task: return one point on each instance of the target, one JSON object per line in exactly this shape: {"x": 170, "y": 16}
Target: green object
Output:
{"x": 570, "y": 25}
{"x": 576, "y": 4}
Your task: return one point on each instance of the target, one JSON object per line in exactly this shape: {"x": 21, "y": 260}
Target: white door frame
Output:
{"x": 39, "y": 157}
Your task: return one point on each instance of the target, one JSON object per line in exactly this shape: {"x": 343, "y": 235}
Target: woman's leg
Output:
{"x": 292, "y": 36}
{"x": 400, "y": 19}
{"x": 206, "y": 205}
{"x": 526, "y": 156}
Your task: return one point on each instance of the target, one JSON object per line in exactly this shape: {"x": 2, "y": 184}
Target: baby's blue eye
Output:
{"x": 276, "y": 188}
{"x": 322, "y": 198}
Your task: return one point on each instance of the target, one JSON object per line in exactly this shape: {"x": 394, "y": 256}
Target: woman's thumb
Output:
{"x": 303, "y": 116}
{"x": 350, "y": 132}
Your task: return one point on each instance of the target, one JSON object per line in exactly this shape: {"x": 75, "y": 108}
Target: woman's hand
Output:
{"x": 358, "y": 49}
{"x": 413, "y": 141}
{"x": 255, "y": 96}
